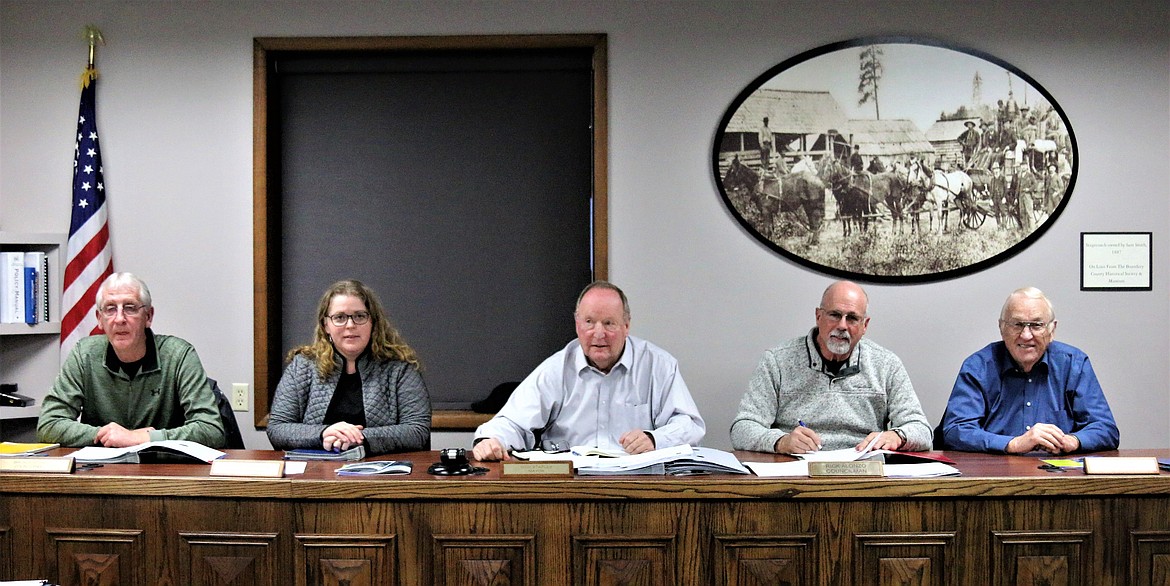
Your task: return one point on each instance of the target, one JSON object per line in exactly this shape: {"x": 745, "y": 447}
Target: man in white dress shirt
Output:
{"x": 606, "y": 389}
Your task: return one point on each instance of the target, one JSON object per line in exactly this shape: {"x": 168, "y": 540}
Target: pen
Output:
{"x": 800, "y": 423}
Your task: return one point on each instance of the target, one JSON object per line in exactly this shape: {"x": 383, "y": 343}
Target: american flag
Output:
{"x": 89, "y": 259}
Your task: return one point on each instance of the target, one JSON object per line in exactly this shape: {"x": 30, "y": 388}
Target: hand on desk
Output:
{"x": 342, "y": 436}
{"x": 636, "y": 441}
{"x": 1044, "y": 436}
{"x": 489, "y": 450}
{"x": 887, "y": 440}
{"x": 801, "y": 440}
{"x": 112, "y": 435}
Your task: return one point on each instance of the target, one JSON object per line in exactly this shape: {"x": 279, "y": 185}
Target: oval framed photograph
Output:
{"x": 894, "y": 159}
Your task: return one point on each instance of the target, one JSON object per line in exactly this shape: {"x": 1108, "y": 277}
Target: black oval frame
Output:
{"x": 980, "y": 265}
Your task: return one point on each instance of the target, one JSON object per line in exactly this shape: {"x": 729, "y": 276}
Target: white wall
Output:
{"x": 175, "y": 116}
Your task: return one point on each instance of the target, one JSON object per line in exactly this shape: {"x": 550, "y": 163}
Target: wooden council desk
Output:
{"x": 1002, "y": 522}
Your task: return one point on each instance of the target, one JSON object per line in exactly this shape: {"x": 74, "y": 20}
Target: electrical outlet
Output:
{"x": 239, "y": 396}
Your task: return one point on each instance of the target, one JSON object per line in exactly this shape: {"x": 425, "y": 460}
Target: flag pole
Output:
{"x": 88, "y": 255}
{"x": 93, "y": 36}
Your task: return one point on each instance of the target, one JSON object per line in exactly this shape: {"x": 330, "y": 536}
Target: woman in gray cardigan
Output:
{"x": 358, "y": 383}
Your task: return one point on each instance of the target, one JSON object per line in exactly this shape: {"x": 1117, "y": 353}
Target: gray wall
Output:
{"x": 175, "y": 113}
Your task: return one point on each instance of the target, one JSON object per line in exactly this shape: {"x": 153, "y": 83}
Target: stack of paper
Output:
{"x": 161, "y": 451}
{"x": 706, "y": 460}
{"x": 924, "y": 464}
{"x": 652, "y": 462}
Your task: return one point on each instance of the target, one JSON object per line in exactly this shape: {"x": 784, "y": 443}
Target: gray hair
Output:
{"x": 121, "y": 279}
{"x": 1030, "y": 293}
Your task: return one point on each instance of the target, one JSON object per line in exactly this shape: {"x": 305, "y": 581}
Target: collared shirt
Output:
{"x": 570, "y": 403}
{"x": 993, "y": 401}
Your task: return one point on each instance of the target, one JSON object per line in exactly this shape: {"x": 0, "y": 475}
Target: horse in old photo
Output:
{"x": 774, "y": 194}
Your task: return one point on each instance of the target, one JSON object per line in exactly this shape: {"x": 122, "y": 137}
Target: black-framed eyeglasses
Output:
{"x": 340, "y": 319}
{"x": 1036, "y": 327}
{"x": 835, "y": 316}
{"x": 128, "y": 309}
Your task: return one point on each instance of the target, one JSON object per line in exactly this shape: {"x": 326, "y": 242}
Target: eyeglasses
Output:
{"x": 128, "y": 309}
{"x": 835, "y": 317}
{"x": 340, "y": 319}
{"x": 1036, "y": 327}
{"x": 608, "y": 325}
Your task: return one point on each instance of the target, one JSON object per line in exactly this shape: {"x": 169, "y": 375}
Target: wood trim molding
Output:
{"x": 266, "y": 269}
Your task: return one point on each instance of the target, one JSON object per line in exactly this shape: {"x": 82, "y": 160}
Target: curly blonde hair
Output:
{"x": 385, "y": 341}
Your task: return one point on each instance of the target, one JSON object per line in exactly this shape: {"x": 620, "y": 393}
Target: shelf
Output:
{"x": 43, "y": 328}
{"x": 35, "y": 239}
{"x": 30, "y": 355}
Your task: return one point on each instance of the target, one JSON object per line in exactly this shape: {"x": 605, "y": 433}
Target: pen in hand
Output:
{"x": 800, "y": 423}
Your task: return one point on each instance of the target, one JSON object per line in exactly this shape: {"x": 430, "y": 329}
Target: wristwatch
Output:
{"x": 901, "y": 434}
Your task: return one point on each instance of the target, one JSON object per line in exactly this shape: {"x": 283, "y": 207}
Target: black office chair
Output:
{"x": 233, "y": 439}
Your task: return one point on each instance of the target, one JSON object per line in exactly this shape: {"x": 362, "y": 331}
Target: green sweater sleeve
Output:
{"x": 62, "y": 406}
{"x": 201, "y": 417}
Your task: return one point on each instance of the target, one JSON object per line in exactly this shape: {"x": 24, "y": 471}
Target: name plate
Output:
{"x": 248, "y": 468}
{"x": 1121, "y": 465}
{"x": 539, "y": 468}
{"x": 61, "y": 465}
{"x": 858, "y": 468}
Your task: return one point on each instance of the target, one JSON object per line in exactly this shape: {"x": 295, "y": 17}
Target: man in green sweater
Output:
{"x": 129, "y": 386}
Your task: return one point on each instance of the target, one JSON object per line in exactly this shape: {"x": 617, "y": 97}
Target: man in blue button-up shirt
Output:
{"x": 1028, "y": 393}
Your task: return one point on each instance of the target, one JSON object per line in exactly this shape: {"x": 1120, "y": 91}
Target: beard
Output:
{"x": 838, "y": 342}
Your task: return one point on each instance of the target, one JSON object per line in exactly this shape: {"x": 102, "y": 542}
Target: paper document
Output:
{"x": 706, "y": 460}
{"x": 928, "y": 470}
{"x": 644, "y": 459}
{"x": 376, "y": 467}
{"x": 778, "y": 469}
{"x": 842, "y": 455}
{"x": 590, "y": 451}
{"x": 135, "y": 454}
{"x": 651, "y": 462}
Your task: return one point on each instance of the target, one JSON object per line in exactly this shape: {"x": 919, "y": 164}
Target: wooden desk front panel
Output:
{"x": 486, "y": 537}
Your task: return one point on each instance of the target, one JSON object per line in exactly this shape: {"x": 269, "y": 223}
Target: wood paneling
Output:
{"x": 114, "y": 525}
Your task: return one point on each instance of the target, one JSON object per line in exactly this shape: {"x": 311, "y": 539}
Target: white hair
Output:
{"x": 1030, "y": 293}
{"x": 119, "y": 280}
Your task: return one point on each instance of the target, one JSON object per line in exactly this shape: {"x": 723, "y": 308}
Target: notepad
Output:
{"x": 21, "y": 449}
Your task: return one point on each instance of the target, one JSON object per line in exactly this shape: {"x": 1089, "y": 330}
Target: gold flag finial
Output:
{"x": 93, "y": 36}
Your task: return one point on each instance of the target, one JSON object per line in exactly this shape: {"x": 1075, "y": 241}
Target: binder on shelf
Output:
{"x": 44, "y": 297}
{"x": 12, "y": 264}
{"x": 32, "y": 296}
